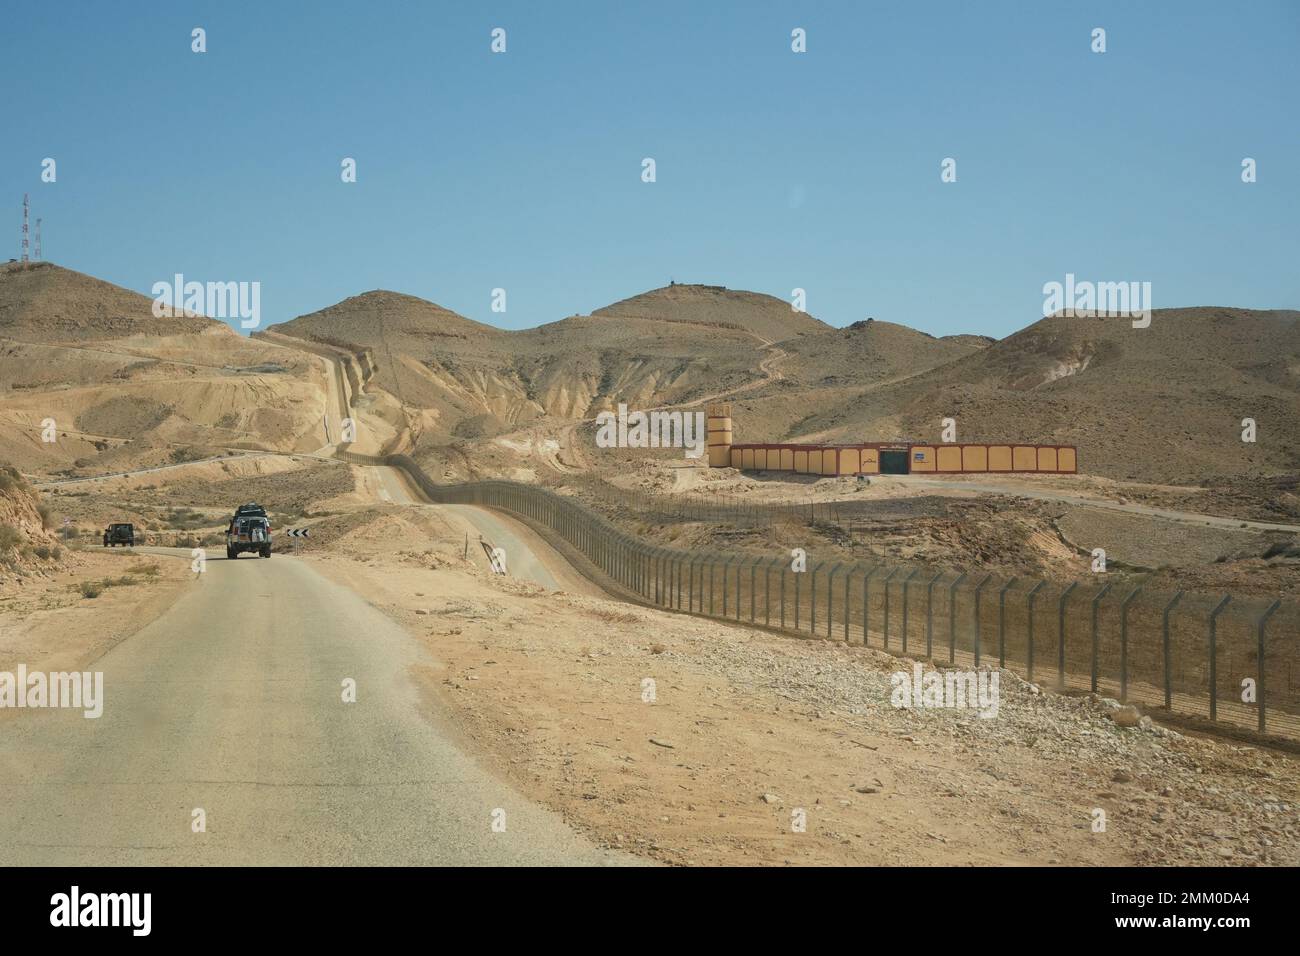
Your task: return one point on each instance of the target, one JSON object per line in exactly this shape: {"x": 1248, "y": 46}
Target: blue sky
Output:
{"x": 775, "y": 170}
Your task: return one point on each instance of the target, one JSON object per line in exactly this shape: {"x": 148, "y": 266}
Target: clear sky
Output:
{"x": 775, "y": 170}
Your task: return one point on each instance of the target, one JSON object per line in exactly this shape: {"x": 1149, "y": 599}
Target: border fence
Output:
{"x": 1228, "y": 659}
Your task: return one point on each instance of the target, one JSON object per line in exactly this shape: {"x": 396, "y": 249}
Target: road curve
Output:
{"x": 522, "y": 560}
{"x": 232, "y": 702}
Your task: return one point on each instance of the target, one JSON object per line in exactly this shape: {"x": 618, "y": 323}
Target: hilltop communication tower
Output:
{"x": 25, "y": 208}
{"x": 37, "y": 250}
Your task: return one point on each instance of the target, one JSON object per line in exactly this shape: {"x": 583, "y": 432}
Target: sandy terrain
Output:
{"x": 48, "y": 624}
{"x": 746, "y": 728}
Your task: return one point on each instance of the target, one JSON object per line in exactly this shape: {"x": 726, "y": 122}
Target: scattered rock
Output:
{"x": 1126, "y": 716}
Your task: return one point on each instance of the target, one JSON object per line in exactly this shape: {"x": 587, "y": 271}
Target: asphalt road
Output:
{"x": 232, "y": 702}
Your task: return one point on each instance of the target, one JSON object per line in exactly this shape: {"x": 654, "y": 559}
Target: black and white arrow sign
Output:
{"x": 298, "y": 532}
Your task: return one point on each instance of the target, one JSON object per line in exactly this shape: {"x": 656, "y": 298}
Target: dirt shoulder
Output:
{"x": 51, "y": 624}
{"x": 740, "y": 734}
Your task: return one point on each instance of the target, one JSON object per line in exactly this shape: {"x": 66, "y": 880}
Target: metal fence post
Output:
{"x": 1096, "y": 649}
{"x": 740, "y": 563}
{"x": 767, "y": 589}
{"x": 1214, "y": 657}
{"x": 710, "y": 563}
{"x": 978, "y": 588}
{"x": 830, "y": 598}
{"x": 1123, "y": 644}
{"x": 866, "y": 601}
{"x": 783, "y": 567}
{"x": 726, "y": 577}
{"x": 907, "y": 580}
{"x": 929, "y": 614}
{"x": 848, "y": 608}
{"x": 1060, "y": 634}
{"x": 1168, "y": 685}
{"x": 889, "y": 577}
{"x": 952, "y": 617}
{"x": 812, "y": 624}
{"x": 1259, "y": 667}
{"x": 1029, "y": 613}
{"x": 1002, "y": 622}
{"x": 753, "y": 589}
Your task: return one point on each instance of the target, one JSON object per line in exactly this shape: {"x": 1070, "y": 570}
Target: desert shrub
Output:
{"x": 185, "y": 519}
{"x": 144, "y": 570}
{"x": 10, "y": 478}
{"x": 93, "y": 589}
{"x": 10, "y": 537}
{"x": 182, "y": 455}
{"x": 44, "y": 552}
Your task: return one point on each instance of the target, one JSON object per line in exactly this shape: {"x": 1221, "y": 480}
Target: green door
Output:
{"x": 893, "y": 462}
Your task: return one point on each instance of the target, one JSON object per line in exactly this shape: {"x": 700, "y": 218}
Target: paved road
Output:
{"x": 232, "y": 702}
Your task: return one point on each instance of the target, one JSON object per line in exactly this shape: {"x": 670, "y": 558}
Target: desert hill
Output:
{"x": 870, "y": 352}
{"x": 125, "y": 389}
{"x": 1163, "y": 403}
{"x": 464, "y": 379}
{"x": 128, "y": 390}
{"x": 40, "y": 301}
{"x": 769, "y": 318}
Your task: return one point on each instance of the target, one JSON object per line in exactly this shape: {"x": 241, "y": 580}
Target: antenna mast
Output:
{"x": 37, "y": 250}
{"x": 25, "y": 206}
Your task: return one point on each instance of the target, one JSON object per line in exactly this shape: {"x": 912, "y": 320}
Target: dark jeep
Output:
{"x": 123, "y": 534}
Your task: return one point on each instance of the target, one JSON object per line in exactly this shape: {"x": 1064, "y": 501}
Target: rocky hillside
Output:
{"x": 124, "y": 389}
{"x": 41, "y": 302}
{"x": 717, "y": 307}
{"x": 465, "y": 379}
{"x": 25, "y": 542}
{"x": 1163, "y": 403}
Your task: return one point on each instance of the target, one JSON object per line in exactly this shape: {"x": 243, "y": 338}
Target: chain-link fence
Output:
{"x": 1222, "y": 657}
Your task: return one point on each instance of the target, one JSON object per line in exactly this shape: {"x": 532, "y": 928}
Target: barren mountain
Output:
{"x": 125, "y": 389}
{"x": 1165, "y": 403}
{"x": 87, "y": 363}
{"x": 463, "y": 379}
{"x": 715, "y": 306}
{"x": 871, "y": 352}
{"x": 41, "y": 302}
